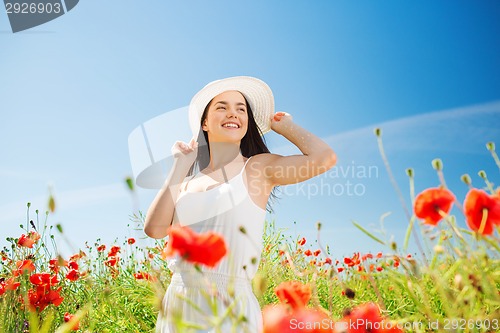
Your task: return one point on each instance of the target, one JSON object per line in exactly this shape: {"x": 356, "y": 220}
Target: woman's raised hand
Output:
{"x": 185, "y": 152}
{"x": 281, "y": 121}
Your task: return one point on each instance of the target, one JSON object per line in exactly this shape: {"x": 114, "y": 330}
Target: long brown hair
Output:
{"x": 253, "y": 143}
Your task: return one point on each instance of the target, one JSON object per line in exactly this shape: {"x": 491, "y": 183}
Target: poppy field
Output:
{"x": 452, "y": 285}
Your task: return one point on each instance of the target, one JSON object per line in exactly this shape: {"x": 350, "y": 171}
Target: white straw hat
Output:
{"x": 257, "y": 93}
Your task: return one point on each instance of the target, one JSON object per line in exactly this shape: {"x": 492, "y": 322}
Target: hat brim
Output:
{"x": 257, "y": 93}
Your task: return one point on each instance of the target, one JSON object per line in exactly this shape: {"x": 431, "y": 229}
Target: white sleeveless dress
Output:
{"x": 219, "y": 299}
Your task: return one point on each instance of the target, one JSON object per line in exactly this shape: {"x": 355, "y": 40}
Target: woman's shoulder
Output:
{"x": 264, "y": 158}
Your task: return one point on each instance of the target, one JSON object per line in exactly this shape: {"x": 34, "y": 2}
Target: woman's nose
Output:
{"x": 231, "y": 112}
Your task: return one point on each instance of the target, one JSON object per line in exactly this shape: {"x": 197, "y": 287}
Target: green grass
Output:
{"x": 462, "y": 284}
{"x": 452, "y": 286}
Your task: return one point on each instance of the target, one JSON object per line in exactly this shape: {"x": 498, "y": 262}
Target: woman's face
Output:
{"x": 227, "y": 118}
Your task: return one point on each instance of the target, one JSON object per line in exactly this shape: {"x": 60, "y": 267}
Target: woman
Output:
{"x": 228, "y": 195}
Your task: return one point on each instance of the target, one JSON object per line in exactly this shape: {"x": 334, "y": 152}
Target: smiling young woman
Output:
{"x": 221, "y": 182}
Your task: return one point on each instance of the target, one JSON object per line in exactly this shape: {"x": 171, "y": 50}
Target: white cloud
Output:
{"x": 462, "y": 130}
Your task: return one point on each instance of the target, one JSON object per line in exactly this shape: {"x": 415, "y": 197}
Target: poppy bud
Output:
{"x": 52, "y": 204}
{"x": 130, "y": 183}
{"x": 459, "y": 283}
{"x": 466, "y": 179}
{"x": 260, "y": 284}
{"x": 318, "y": 226}
{"x": 439, "y": 249}
{"x": 349, "y": 293}
{"x": 437, "y": 164}
{"x": 409, "y": 172}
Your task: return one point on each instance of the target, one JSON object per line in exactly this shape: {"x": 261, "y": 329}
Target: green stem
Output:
{"x": 491, "y": 148}
{"x": 398, "y": 192}
{"x": 408, "y": 232}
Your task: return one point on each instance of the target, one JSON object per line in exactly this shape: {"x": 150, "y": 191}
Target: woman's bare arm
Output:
{"x": 160, "y": 214}
{"x": 317, "y": 156}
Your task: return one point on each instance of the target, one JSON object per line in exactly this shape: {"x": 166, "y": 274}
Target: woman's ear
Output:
{"x": 204, "y": 125}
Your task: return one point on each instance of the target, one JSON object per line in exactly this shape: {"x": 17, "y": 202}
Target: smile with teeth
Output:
{"x": 231, "y": 125}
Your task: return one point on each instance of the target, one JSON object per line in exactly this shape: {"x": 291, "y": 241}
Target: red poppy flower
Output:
{"x": 301, "y": 241}
{"x": 353, "y": 261}
{"x": 478, "y": 202}
{"x": 24, "y": 266}
{"x": 316, "y": 253}
{"x": 54, "y": 297}
{"x": 367, "y": 256}
{"x": 430, "y": 204}
{"x": 311, "y": 321}
{"x": 77, "y": 256}
{"x": 73, "y": 275}
{"x": 367, "y": 318}
{"x": 2, "y": 288}
{"x": 68, "y": 317}
{"x": 308, "y": 252}
{"x": 12, "y": 284}
{"x": 40, "y": 297}
{"x": 113, "y": 251}
{"x": 41, "y": 279}
{"x": 389, "y": 327}
{"x": 276, "y": 318}
{"x": 328, "y": 261}
{"x": 54, "y": 265}
{"x": 294, "y": 293}
{"x": 131, "y": 241}
{"x": 279, "y": 318}
{"x": 363, "y": 318}
{"x": 72, "y": 265}
{"x": 112, "y": 261}
{"x": 143, "y": 276}
{"x": 25, "y": 241}
{"x": 205, "y": 249}
{"x": 101, "y": 248}
{"x": 29, "y": 240}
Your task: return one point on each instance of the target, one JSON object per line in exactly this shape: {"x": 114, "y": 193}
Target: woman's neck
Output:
{"x": 223, "y": 153}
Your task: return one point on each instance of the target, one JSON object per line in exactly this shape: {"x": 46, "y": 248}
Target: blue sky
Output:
{"x": 73, "y": 89}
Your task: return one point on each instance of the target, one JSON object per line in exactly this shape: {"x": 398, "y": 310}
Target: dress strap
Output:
{"x": 245, "y": 165}
{"x": 189, "y": 178}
